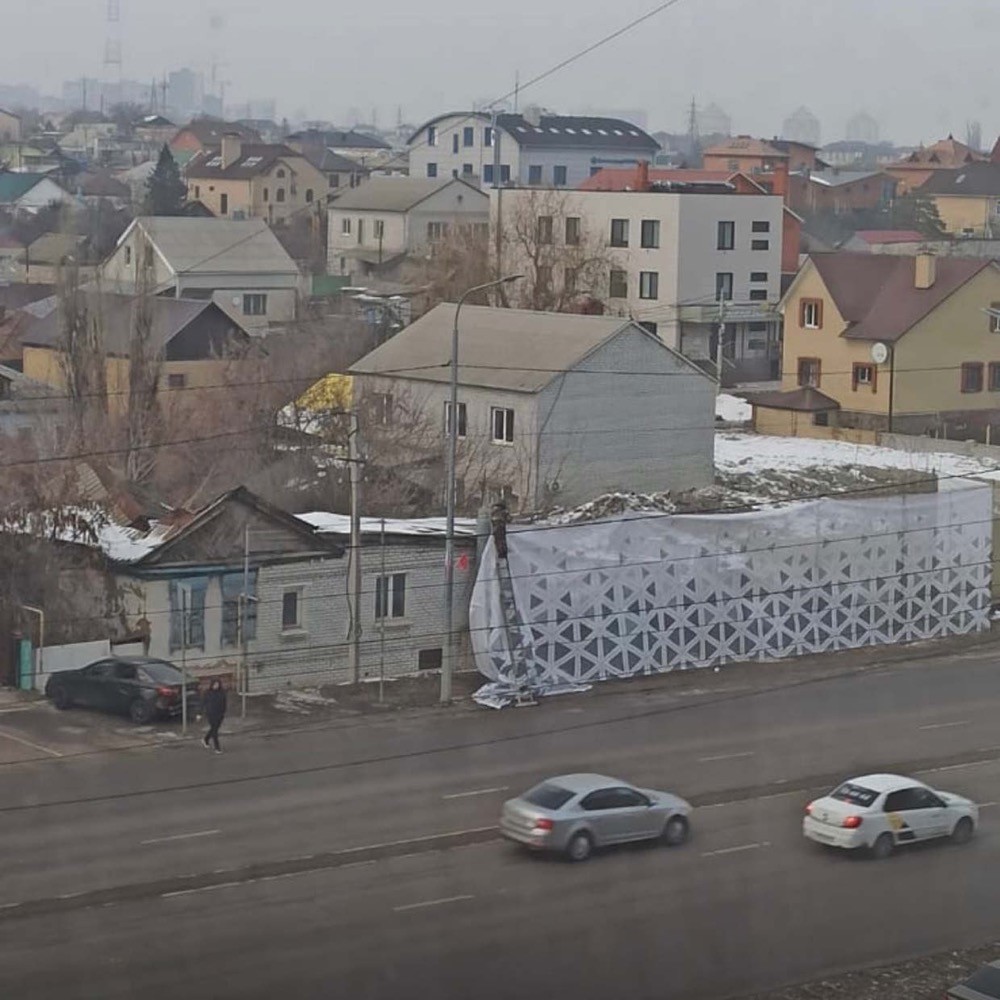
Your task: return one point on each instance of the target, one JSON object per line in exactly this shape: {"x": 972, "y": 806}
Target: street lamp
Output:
{"x": 448, "y": 664}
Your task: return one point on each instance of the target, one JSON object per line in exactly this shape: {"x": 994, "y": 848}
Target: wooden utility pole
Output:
{"x": 354, "y": 560}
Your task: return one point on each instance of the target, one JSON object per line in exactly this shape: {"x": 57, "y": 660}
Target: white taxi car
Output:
{"x": 883, "y": 811}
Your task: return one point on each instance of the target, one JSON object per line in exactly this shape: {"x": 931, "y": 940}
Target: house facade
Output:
{"x": 915, "y": 169}
{"x": 30, "y": 192}
{"x": 840, "y": 191}
{"x": 936, "y": 322}
{"x": 600, "y": 404}
{"x": 10, "y": 126}
{"x": 535, "y": 148}
{"x": 202, "y": 133}
{"x": 677, "y": 262}
{"x": 967, "y": 199}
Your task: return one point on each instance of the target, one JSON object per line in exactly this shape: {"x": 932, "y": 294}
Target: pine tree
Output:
{"x": 166, "y": 192}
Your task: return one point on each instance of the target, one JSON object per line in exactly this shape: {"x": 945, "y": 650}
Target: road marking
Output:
{"x": 431, "y": 902}
{"x": 954, "y": 767}
{"x": 724, "y": 756}
{"x": 945, "y": 725}
{"x": 204, "y": 888}
{"x": 179, "y": 836}
{"x": 735, "y": 850}
{"x": 478, "y": 791}
{"x": 986, "y": 805}
{"x": 29, "y": 743}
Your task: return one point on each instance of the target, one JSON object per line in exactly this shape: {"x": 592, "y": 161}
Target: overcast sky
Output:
{"x": 921, "y": 67}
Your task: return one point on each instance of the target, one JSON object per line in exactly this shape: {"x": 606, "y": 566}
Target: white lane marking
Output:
{"x": 955, "y": 767}
{"x": 29, "y": 743}
{"x": 944, "y": 725}
{"x": 986, "y": 805}
{"x": 431, "y": 902}
{"x": 724, "y": 756}
{"x": 736, "y": 850}
{"x": 205, "y": 888}
{"x": 478, "y": 791}
{"x": 180, "y": 836}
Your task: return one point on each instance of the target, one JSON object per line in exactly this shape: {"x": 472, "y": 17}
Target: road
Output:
{"x": 362, "y": 861}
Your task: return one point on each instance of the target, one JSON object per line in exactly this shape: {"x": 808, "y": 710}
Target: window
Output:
{"x": 291, "y": 610}
{"x": 569, "y": 280}
{"x": 649, "y": 284}
{"x": 462, "y": 422}
{"x": 863, "y": 376}
{"x": 390, "y": 596}
{"x": 821, "y": 419}
{"x": 436, "y": 231}
{"x": 724, "y": 286}
{"x": 559, "y": 176}
{"x": 187, "y": 613}
{"x": 429, "y": 659}
{"x": 382, "y": 409}
{"x": 761, "y": 227}
{"x": 619, "y": 232}
{"x": 757, "y": 327}
{"x": 757, "y": 277}
{"x": 280, "y": 173}
{"x": 378, "y": 229}
{"x": 334, "y": 180}
{"x": 504, "y": 173}
{"x": 535, "y": 174}
{"x": 502, "y": 422}
{"x": 454, "y": 143}
{"x": 280, "y": 194}
{"x": 649, "y": 234}
{"x": 544, "y": 233}
{"x": 649, "y": 326}
{"x": 488, "y": 173}
{"x": 727, "y": 236}
{"x": 309, "y": 196}
{"x": 905, "y": 800}
{"x": 809, "y": 372}
{"x": 267, "y": 195}
{"x": 811, "y": 314}
{"x": 466, "y": 169}
{"x": 255, "y": 304}
{"x": 432, "y": 170}
{"x": 468, "y": 136}
{"x": 232, "y": 606}
{"x": 760, "y": 244}
{"x": 856, "y": 795}
{"x": 345, "y": 226}
{"x": 618, "y": 285}
{"x": 758, "y": 294}
{"x": 548, "y": 796}
{"x": 197, "y": 191}
{"x": 543, "y": 277}
{"x": 972, "y": 376}
{"x": 488, "y": 136}
{"x": 223, "y": 204}
{"x": 128, "y": 256}
{"x": 994, "y": 377}
{"x": 994, "y": 313}
{"x": 432, "y": 135}
{"x": 176, "y": 380}
{"x": 572, "y": 231}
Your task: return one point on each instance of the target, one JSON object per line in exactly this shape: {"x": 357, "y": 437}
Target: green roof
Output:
{"x": 15, "y": 185}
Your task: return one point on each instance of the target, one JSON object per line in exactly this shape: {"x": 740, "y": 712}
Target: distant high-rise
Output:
{"x": 862, "y": 128}
{"x": 184, "y": 92}
{"x": 801, "y": 126}
{"x": 714, "y": 121}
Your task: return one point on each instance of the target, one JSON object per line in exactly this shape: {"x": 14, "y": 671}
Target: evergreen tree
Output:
{"x": 917, "y": 211}
{"x": 166, "y": 192}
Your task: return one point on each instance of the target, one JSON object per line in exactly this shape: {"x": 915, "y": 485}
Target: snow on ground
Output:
{"x": 732, "y": 409}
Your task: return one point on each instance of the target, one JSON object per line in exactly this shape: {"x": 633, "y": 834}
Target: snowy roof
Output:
{"x": 340, "y": 524}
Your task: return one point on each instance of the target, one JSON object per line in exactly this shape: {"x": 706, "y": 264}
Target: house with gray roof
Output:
{"x": 386, "y": 218}
{"x": 536, "y": 148}
{"x": 553, "y": 408}
{"x": 27, "y": 405}
{"x": 30, "y": 192}
{"x": 239, "y": 265}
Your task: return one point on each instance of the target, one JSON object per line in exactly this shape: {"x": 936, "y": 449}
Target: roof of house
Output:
{"x": 100, "y": 184}
{"x": 14, "y": 186}
{"x": 973, "y": 180}
{"x": 745, "y": 145}
{"x": 329, "y": 161}
{"x": 627, "y": 178}
{"x": 876, "y": 294}
{"x": 805, "y": 399}
{"x": 398, "y": 194}
{"x": 12, "y": 114}
{"x": 215, "y": 246}
{"x": 254, "y": 159}
{"x": 492, "y": 341}
{"x": 340, "y": 139}
{"x": 23, "y": 388}
{"x": 154, "y": 121}
{"x": 943, "y": 153}
{"x": 209, "y": 131}
{"x": 54, "y": 248}
{"x": 784, "y": 145}
{"x": 170, "y": 317}
{"x": 873, "y": 236}
{"x": 841, "y": 178}
{"x": 20, "y": 294}
{"x": 326, "y": 523}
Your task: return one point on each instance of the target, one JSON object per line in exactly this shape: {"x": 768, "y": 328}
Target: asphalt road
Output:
{"x": 362, "y": 861}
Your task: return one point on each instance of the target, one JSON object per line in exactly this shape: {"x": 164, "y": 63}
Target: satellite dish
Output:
{"x": 880, "y": 353}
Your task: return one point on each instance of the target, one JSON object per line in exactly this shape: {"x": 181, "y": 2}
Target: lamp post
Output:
{"x": 448, "y": 662}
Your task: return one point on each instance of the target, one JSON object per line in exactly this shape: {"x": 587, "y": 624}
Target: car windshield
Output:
{"x": 160, "y": 672}
{"x": 548, "y": 796}
{"x": 857, "y": 795}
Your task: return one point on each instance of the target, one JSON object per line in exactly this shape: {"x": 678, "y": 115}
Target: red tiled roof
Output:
{"x": 876, "y": 294}
{"x": 890, "y": 236}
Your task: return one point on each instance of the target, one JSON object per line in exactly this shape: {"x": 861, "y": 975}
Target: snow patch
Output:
{"x": 732, "y": 409}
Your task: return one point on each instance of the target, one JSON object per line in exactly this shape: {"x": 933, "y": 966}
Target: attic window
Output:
{"x": 252, "y": 161}
{"x": 618, "y": 131}
{"x": 554, "y": 131}
{"x": 216, "y": 161}
{"x": 633, "y": 132}
{"x": 586, "y": 131}
{"x": 601, "y": 131}
{"x": 521, "y": 128}
{"x": 571, "y": 131}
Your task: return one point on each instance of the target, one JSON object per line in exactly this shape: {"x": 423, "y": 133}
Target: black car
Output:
{"x": 983, "y": 984}
{"x": 137, "y": 686}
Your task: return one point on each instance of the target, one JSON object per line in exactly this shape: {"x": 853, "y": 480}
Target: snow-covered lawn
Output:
{"x": 732, "y": 409}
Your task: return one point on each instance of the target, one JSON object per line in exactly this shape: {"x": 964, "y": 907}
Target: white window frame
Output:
{"x": 811, "y": 309}
{"x": 653, "y": 227}
{"x": 385, "y": 598}
{"x": 507, "y": 429}
{"x": 649, "y": 284}
{"x": 345, "y": 226}
{"x": 300, "y": 618}
{"x": 463, "y": 419}
{"x": 378, "y": 229}
{"x": 252, "y": 299}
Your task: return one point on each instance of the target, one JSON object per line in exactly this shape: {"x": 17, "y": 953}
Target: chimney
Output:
{"x": 779, "y": 183}
{"x": 232, "y": 149}
{"x": 642, "y": 176}
{"x": 924, "y": 268}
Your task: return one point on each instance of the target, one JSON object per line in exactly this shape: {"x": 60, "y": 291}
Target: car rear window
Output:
{"x": 857, "y": 795}
{"x": 548, "y": 796}
{"x": 162, "y": 673}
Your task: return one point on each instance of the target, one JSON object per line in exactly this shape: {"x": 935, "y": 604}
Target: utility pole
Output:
{"x": 495, "y": 133}
{"x": 720, "y": 337}
{"x": 184, "y": 673}
{"x": 245, "y": 599}
{"x": 354, "y": 560}
{"x": 384, "y": 585}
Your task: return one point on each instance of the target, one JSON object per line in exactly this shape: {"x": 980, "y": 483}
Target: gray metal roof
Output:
{"x": 837, "y": 178}
{"x": 398, "y": 194}
{"x": 216, "y": 246}
{"x": 492, "y": 343}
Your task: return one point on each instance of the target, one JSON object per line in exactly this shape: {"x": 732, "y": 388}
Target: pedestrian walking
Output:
{"x": 215, "y": 712}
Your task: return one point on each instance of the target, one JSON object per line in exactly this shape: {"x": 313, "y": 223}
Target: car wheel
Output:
{"x": 61, "y": 698}
{"x": 140, "y": 712}
{"x": 963, "y": 831}
{"x": 579, "y": 847}
{"x": 675, "y": 832}
{"x": 882, "y": 847}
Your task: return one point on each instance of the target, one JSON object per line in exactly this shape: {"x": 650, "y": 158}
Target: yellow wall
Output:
{"x": 792, "y": 423}
{"x": 248, "y": 195}
{"x": 836, "y": 354}
{"x": 928, "y": 358}
{"x": 964, "y": 213}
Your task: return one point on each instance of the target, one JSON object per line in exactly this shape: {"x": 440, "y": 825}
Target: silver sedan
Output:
{"x": 574, "y": 813}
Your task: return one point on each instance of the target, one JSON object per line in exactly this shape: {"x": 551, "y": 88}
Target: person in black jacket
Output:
{"x": 215, "y": 712}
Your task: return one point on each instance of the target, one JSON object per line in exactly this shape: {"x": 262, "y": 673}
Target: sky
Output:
{"x": 923, "y": 68}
